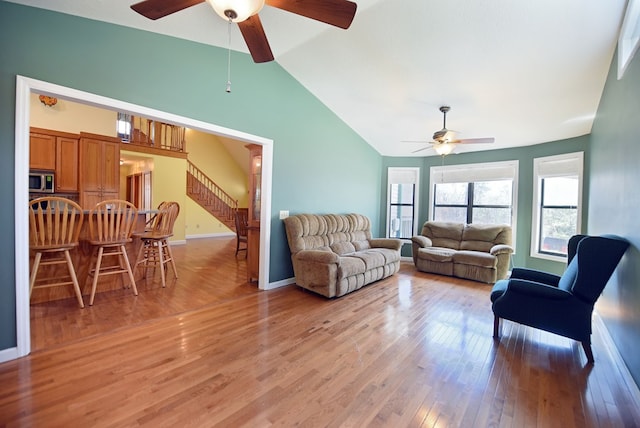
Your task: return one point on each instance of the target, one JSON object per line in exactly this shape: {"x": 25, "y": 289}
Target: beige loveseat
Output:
{"x": 334, "y": 254}
{"x": 480, "y": 252}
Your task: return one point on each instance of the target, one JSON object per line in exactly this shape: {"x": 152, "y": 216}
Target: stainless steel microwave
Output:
{"x": 41, "y": 181}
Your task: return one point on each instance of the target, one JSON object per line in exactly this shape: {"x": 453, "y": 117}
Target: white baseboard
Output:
{"x": 406, "y": 259}
{"x": 212, "y": 235}
{"x": 281, "y": 283}
{"x": 611, "y": 347}
{"x": 8, "y": 354}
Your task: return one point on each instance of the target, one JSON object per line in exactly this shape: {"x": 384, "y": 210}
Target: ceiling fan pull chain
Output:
{"x": 229, "y": 59}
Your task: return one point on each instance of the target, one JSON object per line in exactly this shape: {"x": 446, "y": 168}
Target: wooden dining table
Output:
{"x": 81, "y": 257}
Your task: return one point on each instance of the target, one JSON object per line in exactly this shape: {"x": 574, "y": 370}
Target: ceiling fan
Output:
{"x": 338, "y": 13}
{"x": 444, "y": 140}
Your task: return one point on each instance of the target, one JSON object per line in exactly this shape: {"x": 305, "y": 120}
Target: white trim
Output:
{"x": 9, "y": 354}
{"x": 629, "y": 39}
{"x": 615, "y": 356}
{"x": 21, "y": 197}
{"x": 567, "y": 164}
{"x": 282, "y": 283}
{"x": 24, "y": 87}
{"x": 403, "y": 175}
{"x": 212, "y": 235}
{"x": 178, "y": 242}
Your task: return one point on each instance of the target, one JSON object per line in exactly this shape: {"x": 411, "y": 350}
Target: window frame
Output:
{"x": 125, "y": 119}
{"x": 478, "y": 172}
{"x": 471, "y": 204}
{"x": 403, "y": 175}
{"x": 564, "y": 165}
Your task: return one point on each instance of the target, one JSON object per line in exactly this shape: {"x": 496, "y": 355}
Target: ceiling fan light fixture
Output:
{"x": 443, "y": 149}
{"x": 236, "y": 10}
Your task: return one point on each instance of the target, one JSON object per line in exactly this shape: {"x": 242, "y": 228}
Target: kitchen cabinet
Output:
{"x": 66, "y": 165}
{"x": 42, "y": 151}
{"x": 99, "y": 158}
{"x": 55, "y": 151}
{"x": 253, "y": 224}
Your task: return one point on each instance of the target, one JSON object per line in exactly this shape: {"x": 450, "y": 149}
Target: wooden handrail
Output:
{"x": 147, "y": 132}
{"x": 209, "y": 193}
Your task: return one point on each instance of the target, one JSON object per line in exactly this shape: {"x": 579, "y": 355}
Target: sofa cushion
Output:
{"x": 371, "y": 258}
{"x": 361, "y": 245}
{"x": 350, "y": 266}
{"x": 390, "y": 255}
{"x": 436, "y": 254}
{"x": 342, "y": 248}
{"x": 443, "y": 234}
{"x": 475, "y": 258}
{"x": 481, "y": 237}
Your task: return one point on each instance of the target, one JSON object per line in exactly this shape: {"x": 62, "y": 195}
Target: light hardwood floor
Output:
{"x": 209, "y": 350}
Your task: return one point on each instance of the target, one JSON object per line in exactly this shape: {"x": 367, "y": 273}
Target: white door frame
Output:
{"x": 24, "y": 87}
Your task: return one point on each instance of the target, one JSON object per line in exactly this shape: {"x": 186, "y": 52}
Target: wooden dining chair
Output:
{"x": 241, "y": 220}
{"x": 155, "y": 249}
{"x": 54, "y": 228}
{"x": 111, "y": 224}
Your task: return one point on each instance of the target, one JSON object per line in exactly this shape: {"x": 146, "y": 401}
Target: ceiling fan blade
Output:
{"x": 256, "y": 39}
{"x": 154, "y": 9}
{"x": 339, "y": 13}
{"x": 487, "y": 140}
{"x": 419, "y": 150}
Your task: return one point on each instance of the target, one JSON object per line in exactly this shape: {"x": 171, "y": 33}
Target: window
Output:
{"x": 629, "y": 39}
{"x": 475, "y": 193}
{"x": 402, "y": 205}
{"x": 474, "y": 202}
{"x": 123, "y": 126}
{"x": 557, "y": 204}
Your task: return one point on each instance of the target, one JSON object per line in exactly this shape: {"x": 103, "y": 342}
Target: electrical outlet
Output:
{"x": 284, "y": 214}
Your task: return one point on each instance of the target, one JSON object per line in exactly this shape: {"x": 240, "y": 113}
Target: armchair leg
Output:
{"x": 587, "y": 350}
{"x": 496, "y": 327}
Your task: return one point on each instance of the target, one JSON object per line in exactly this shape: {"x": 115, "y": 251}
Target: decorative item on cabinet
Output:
{"x": 255, "y": 196}
{"x": 48, "y": 101}
{"x": 57, "y": 151}
{"x": 99, "y": 169}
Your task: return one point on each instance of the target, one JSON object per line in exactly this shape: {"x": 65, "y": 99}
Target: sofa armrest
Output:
{"x": 422, "y": 241}
{"x": 536, "y": 276}
{"x": 501, "y": 249}
{"x": 392, "y": 243}
{"x": 318, "y": 256}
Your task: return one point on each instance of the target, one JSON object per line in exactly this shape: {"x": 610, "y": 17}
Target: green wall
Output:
{"x": 319, "y": 163}
{"x": 615, "y": 204}
{"x": 525, "y": 156}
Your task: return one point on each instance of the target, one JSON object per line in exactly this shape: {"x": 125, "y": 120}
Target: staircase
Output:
{"x": 210, "y": 196}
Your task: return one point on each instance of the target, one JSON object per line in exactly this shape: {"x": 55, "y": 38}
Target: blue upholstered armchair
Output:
{"x": 560, "y": 304}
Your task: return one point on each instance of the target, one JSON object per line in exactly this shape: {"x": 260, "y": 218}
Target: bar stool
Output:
{"x": 111, "y": 224}
{"x": 155, "y": 249}
{"x": 54, "y": 227}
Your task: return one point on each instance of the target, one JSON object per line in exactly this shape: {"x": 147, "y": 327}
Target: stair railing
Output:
{"x": 208, "y": 194}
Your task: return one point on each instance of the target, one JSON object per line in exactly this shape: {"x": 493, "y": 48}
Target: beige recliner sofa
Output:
{"x": 481, "y": 252}
{"x": 334, "y": 254}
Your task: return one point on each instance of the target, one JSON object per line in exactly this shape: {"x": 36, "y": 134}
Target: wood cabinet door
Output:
{"x": 91, "y": 165}
{"x": 111, "y": 167}
{"x": 88, "y": 199}
{"x": 66, "y": 164}
{"x": 42, "y": 151}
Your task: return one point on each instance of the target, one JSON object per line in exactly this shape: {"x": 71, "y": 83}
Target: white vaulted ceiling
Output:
{"x": 524, "y": 72}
